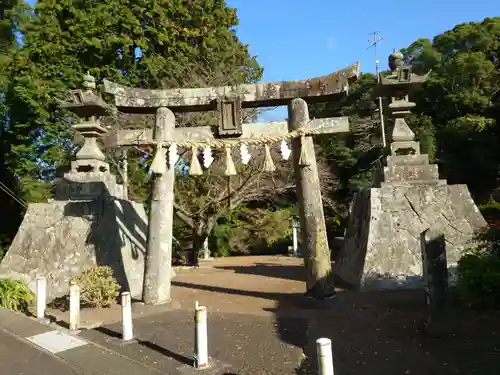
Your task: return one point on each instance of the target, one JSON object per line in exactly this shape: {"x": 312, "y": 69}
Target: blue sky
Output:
{"x": 297, "y": 39}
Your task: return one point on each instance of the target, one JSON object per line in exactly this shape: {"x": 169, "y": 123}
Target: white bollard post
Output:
{"x": 201, "y": 337}
{"x": 127, "y": 328}
{"x": 325, "y": 359}
{"x": 74, "y": 306}
{"x": 41, "y": 297}
{"x": 295, "y": 241}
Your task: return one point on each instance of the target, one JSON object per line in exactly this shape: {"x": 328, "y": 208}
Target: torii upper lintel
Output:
{"x": 134, "y": 100}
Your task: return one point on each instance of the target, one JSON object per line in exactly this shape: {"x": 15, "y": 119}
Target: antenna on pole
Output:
{"x": 374, "y": 42}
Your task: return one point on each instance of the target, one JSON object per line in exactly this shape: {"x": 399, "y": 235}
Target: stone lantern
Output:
{"x": 397, "y": 87}
{"x": 382, "y": 245}
{"x": 405, "y": 164}
{"x": 89, "y": 223}
{"x": 90, "y": 107}
{"x": 89, "y": 173}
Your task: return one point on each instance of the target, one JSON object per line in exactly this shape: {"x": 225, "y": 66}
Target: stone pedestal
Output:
{"x": 88, "y": 224}
{"x": 382, "y": 247}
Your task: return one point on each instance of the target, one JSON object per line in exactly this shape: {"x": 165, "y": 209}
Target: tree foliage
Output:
{"x": 151, "y": 44}
{"x": 254, "y": 229}
{"x": 138, "y": 43}
{"x": 462, "y": 101}
{"x": 202, "y": 201}
{"x": 9, "y": 22}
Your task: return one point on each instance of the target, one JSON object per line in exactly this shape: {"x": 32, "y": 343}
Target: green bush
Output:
{"x": 489, "y": 241}
{"x": 490, "y": 211}
{"x": 252, "y": 231}
{"x": 98, "y": 287}
{"x": 220, "y": 240}
{"x": 479, "y": 279}
{"x": 479, "y": 268}
{"x": 15, "y": 295}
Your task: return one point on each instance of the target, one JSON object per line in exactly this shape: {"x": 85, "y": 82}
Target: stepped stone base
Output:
{"x": 382, "y": 247}
{"x": 60, "y": 239}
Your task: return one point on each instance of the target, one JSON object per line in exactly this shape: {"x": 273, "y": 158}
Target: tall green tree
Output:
{"x": 9, "y": 192}
{"x": 143, "y": 43}
{"x": 140, "y": 43}
{"x": 462, "y": 101}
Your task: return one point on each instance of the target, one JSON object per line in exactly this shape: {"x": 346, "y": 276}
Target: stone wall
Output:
{"x": 60, "y": 239}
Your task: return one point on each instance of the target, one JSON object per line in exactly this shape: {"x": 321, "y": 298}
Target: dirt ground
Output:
{"x": 372, "y": 333}
{"x": 250, "y": 285}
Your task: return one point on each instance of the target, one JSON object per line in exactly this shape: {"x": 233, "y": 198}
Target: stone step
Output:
{"x": 411, "y": 183}
{"x": 408, "y": 160}
{"x": 406, "y": 173}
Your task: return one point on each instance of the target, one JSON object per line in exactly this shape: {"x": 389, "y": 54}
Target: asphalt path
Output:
{"x": 18, "y": 357}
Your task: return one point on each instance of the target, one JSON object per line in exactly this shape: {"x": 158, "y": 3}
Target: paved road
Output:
{"x": 20, "y": 358}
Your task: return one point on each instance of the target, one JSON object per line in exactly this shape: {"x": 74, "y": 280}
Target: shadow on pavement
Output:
{"x": 372, "y": 333}
{"x": 279, "y": 271}
{"x": 381, "y": 332}
{"x": 165, "y": 352}
{"x": 218, "y": 289}
{"x": 289, "y": 272}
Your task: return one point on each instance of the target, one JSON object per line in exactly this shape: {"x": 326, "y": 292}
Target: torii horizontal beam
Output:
{"x": 137, "y": 137}
{"x": 133, "y": 100}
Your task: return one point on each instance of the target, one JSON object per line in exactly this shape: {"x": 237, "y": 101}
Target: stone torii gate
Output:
{"x": 229, "y": 101}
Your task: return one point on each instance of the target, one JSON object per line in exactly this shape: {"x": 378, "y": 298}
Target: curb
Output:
{"x": 74, "y": 369}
